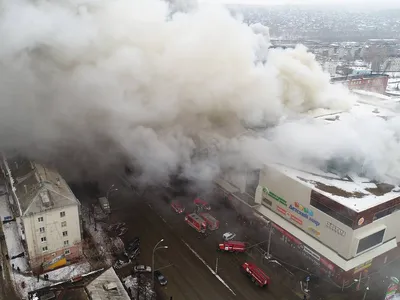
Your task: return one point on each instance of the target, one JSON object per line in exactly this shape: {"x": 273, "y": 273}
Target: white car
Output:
{"x": 141, "y": 268}
{"x": 228, "y": 236}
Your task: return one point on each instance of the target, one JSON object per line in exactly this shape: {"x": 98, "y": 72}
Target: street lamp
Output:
{"x": 152, "y": 260}
{"x": 111, "y": 190}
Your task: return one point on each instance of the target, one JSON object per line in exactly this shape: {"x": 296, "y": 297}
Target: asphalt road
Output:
{"x": 184, "y": 263}
{"x": 188, "y": 277}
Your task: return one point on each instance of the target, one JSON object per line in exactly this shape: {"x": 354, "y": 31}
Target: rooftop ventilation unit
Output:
{"x": 44, "y": 196}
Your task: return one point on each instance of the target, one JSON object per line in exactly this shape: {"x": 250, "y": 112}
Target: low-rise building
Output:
{"x": 47, "y": 212}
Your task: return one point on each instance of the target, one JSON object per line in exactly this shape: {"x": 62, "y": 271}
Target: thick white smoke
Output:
{"x": 104, "y": 80}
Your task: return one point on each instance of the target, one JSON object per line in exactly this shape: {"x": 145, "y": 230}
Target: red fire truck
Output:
{"x": 232, "y": 246}
{"x": 212, "y": 223}
{"x": 196, "y": 222}
{"x": 202, "y": 203}
{"x": 256, "y": 274}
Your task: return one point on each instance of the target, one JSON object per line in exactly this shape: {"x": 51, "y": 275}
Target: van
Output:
{"x": 105, "y": 205}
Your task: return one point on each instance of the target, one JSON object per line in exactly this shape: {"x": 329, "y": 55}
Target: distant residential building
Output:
{"x": 47, "y": 212}
{"x": 330, "y": 67}
{"x": 392, "y": 64}
{"x": 360, "y": 70}
{"x": 368, "y": 82}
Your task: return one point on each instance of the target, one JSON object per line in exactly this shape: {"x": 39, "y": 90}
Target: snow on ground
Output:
{"x": 131, "y": 284}
{"x": 59, "y": 275}
{"x": 12, "y": 235}
{"x": 100, "y": 237}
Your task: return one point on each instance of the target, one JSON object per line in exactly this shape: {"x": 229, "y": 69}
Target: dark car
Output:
{"x": 160, "y": 278}
{"x": 133, "y": 244}
{"x": 133, "y": 253}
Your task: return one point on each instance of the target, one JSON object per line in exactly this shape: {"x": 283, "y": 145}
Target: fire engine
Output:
{"x": 196, "y": 222}
{"x": 232, "y": 246}
{"x": 212, "y": 223}
{"x": 256, "y": 274}
{"x": 202, "y": 203}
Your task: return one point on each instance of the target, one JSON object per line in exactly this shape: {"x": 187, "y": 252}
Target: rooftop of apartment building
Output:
{"x": 95, "y": 285}
{"x": 38, "y": 188}
{"x": 351, "y": 190}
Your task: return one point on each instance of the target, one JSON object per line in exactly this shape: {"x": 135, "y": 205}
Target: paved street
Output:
{"x": 188, "y": 276}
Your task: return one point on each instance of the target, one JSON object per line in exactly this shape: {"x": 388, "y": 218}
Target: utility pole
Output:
{"x": 269, "y": 241}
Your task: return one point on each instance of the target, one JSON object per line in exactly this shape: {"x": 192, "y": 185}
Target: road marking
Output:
{"x": 209, "y": 268}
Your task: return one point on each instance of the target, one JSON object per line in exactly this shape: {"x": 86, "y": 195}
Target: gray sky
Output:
{"x": 375, "y": 3}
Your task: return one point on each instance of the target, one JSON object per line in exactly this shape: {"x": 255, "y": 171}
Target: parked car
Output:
{"x": 115, "y": 227}
{"x": 132, "y": 244}
{"x": 228, "y": 236}
{"x": 122, "y": 260}
{"x": 141, "y": 269}
{"x": 133, "y": 253}
{"x": 160, "y": 278}
{"x": 177, "y": 207}
{"x": 121, "y": 231}
{"x": 202, "y": 203}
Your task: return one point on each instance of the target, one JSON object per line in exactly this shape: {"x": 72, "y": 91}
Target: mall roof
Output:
{"x": 355, "y": 192}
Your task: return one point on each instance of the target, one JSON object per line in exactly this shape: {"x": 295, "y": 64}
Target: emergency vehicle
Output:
{"x": 196, "y": 222}
{"x": 202, "y": 203}
{"x": 256, "y": 274}
{"x": 212, "y": 223}
{"x": 232, "y": 246}
{"x": 177, "y": 207}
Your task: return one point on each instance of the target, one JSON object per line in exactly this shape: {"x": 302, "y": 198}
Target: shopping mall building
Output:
{"x": 347, "y": 226}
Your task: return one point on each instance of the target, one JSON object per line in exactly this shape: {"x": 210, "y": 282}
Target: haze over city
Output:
{"x": 178, "y": 150}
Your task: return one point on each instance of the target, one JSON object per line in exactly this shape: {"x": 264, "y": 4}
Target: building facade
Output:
{"x": 47, "y": 212}
{"x": 369, "y": 82}
{"x": 345, "y": 225}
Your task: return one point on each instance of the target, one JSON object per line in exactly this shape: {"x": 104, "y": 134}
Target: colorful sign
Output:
{"x": 54, "y": 263}
{"x": 275, "y": 197}
{"x": 363, "y": 266}
{"x": 289, "y": 215}
{"x": 335, "y": 229}
{"x": 314, "y": 231}
{"x": 304, "y": 212}
{"x": 327, "y": 264}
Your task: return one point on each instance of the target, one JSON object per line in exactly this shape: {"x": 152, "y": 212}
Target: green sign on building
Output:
{"x": 275, "y": 197}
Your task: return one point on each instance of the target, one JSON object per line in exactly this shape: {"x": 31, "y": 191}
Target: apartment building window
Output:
{"x": 44, "y": 249}
{"x": 43, "y": 239}
{"x": 67, "y": 252}
{"x": 66, "y": 243}
{"x": 40, "y": 219}
{"x": 62, "y": 214}
{"x": 64, "y": 224}
{"x": 65, "y": 233}
{"x": 41, "y": 229}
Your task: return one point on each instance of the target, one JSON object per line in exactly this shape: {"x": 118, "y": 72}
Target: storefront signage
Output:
{"x": 275, "y": 197}
{"x": 327, "y": 264}
{"x": 314, "y": 231}
{"x": 363, "y": 266}
{"x": 304, "y": 212}
{"x": 360, "y": 221}
{"x": 311, "y": 253}
{"x": 290, "y": 216}
{"x": 335, "y": 229}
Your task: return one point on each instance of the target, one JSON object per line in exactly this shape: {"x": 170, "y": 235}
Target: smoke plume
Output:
{"x": 97, "y": 81}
